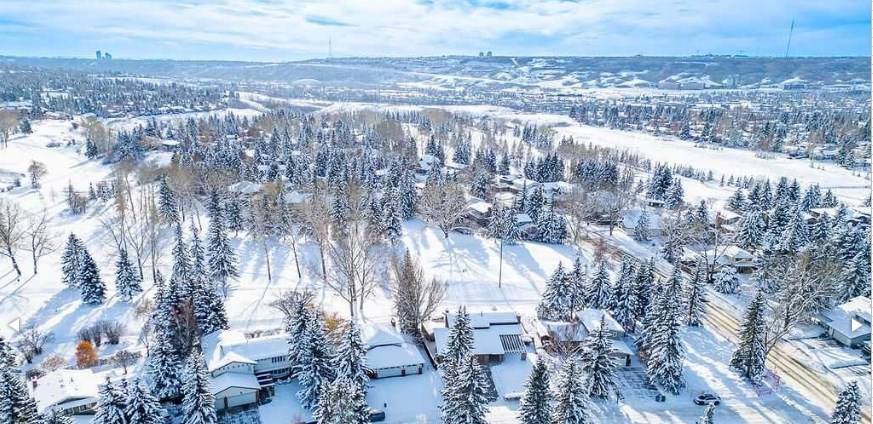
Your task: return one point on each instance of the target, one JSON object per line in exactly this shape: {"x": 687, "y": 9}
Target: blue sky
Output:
{"x": 277, "y": 30}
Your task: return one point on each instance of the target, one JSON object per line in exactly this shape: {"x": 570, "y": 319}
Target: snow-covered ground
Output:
{"x": 468, "y": 264}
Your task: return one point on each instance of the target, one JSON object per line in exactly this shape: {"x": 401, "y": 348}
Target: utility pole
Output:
{"x": 500, "y": 267}
{"x": 790, "y": 33}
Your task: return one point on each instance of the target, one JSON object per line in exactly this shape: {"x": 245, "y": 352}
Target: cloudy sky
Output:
{"x": 278, "y": 30}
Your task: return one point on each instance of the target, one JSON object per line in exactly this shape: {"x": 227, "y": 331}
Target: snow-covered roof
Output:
{"x": 223, "y": 347}
{"x": 170, "y": 143}
{"x": 561, "y": 186}
{"x": 840, "y": 318}
{"x": 523, "y": 218}
{"x": 295, "y": 197}
{"x": 490, "y": 331}
{"x": 590, "y": 318}
{"x": 391, "y": 356}
{"x": 245, "y": 187}
{"x": 481, "y": 207}
{"x": 233, "y": 379}
{"x": 374, "y": 335}
{"x": 62, "y": 386}
{"x": 726, "y": 215}
{"x": 484, "y": 319}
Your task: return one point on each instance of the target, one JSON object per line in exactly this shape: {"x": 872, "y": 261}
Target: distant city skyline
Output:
{"x": 275, "y": 30}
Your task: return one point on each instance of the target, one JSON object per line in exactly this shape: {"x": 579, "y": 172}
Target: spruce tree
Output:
{"x": 598, "y": 294}
{"x": 749, "y": 356}
{"x": 642, "y": 227}
{"x": 55, "y": 416}
{"x": 464, "y": 393}
{"x": 856, "y": 276}
{"x": 181, "y": 277}
{"x": 92, "y": 287}
{"x": 665, "y": 353}
{"x": 338, "y": 403}
{"x": 597, "y": 363}
{"x": 707, "y": 417}
{"x": 222, "y": 260}
{"x": 198, "y": 401}
{"x": 168, "y": 206}
{"x": 751, "y": 232}
{"x": 314, "y": 365}
{"x": 111, "y": 405}
{"x": 848, "y": 409}
{"x": 536, "y": 404}
{"x": 572, "y": 401}
{"x": 625, "y": 302}
{"x": 726, "y": 280}
{"x": 351, "y": 368}
{"x": 142, "y": 406}
{"x": 127, "y": 280}
{"x": 16, "y": 404}
{"x": 163, "y": 363}
{"x": 460, "y": 340}
{"x": 71, "y": 261}
{"x": 555, "y": 303}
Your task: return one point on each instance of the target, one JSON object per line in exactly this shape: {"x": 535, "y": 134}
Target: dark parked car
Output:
{"x": 376, "y": 415}
{"x": 706, "y": 399}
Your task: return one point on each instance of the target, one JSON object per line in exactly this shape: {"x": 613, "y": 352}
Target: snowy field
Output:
{"x": 468, "y": 264}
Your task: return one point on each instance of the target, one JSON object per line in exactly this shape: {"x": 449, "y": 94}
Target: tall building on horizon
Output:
{"x": 107, "y": 56}
{"x": 99, "y": 55}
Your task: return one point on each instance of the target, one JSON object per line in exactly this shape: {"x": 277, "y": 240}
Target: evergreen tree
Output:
{"x": 168, "y": 206}
{"x": 392, "y": 216}
{"x": 856, "y": 276}
{"x": 339, "y": 403}
{"x": 707, "y": 417}
{"x": 573, "y": 405}
{"x": 142, "y": 406}
{"x": 127, "y": 279}
{"x": 644, "y": 281}
{"x": 314, "y": 364}
{"x": 460, "y": 340}
{"x": 71, "y": 261}
{"x": 749, "y": 356}
{"x": 598, "y": 294}
{"x": 751, "y": 232}
{"x": 181, "y": 276}
{"x": 665, "y": 353}
{"x": 642, "y": 227}
{"x": 92, "y": 287}
{"x": 726, "y": 280}
{"x": 198, "y": 401}
{"x": 536, "y": 404}
{"x": 555, "y": 303}
{"x": 597, "y": 363}
{"x": 675, "y": 195}
{"x": 351, "y": 367}
{"x": 111, "y": 405}
{"x": 465, "y": 397}
{"x": 795, "y": 235}
{"x": 163, "y": 364}
{"x": 55, "y": 416}
{"x": 222, "y": 260}
{"x": 737, "y": 201}
{"x": 624, "y": 305}
{"x": 16, "y": 404}
{"x": 848, "y": 409}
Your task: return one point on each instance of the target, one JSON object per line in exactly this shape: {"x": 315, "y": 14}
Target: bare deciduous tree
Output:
{"x": 40, "y": 240}
{"x": 8, "y": 123}
{"x": 54, "y": 362}
{"x": 31, "y": 342}
{"x": 443, "y": 204}
{"x": 415, "y": 297}
{"x": 124, "y": 359}
{"x": 355, "y": 255}
{"x": 317, "y": 214}
{"x": 36, "y": 170}
{"x": 97, "y": 133}
{"x": 12, "y": 231}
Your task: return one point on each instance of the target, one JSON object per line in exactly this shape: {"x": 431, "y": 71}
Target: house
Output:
{"x": 478, "y": 213}
{"x": 527, "y": 228}
{"x": 247, "y": 188}
{"x": 632, "y": 216}
{"x": 735, "y": 256}
{"x": 495, "y": 334}
{"x": 573, "y": 334}
{"x": 860, "y": 216}
{"x": 388, "y": 353}
{"x": 849, "y": 323}
{"x": 73, "y": 392}
{"x": 725, "y": 220}
{"x": 243, "y": 370}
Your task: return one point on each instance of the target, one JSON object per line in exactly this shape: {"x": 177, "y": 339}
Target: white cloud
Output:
{"x": 409, "y": 27}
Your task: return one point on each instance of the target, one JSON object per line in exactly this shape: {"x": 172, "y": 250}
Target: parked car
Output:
{"x": 376, "y": 415}
{"x": 706, "y": 399}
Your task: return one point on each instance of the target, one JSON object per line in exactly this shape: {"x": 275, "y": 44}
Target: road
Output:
{"x": 782, "y": 358}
